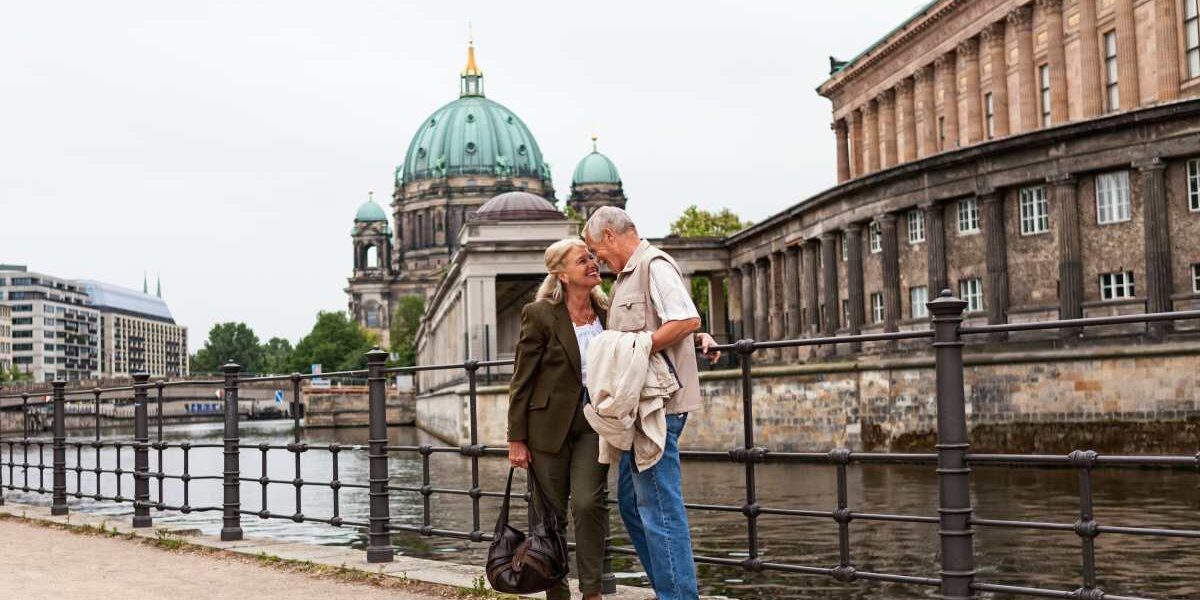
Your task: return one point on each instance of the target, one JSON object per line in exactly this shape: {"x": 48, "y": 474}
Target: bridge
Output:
{"x": 119, "y": 471}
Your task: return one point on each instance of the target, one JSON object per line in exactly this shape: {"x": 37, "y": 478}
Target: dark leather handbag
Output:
{"x": 525, "y": 564}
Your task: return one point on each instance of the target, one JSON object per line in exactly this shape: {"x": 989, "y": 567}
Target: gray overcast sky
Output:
{"x": 226, "y": 145}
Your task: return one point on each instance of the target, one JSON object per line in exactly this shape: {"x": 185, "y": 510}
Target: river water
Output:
{"x": 1167, "y": 568}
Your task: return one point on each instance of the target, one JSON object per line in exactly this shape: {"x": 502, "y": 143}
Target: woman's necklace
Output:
{"x": 581, "y": 311}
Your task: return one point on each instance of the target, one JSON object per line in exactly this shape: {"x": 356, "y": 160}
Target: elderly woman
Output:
{"x": 546, "y": 427}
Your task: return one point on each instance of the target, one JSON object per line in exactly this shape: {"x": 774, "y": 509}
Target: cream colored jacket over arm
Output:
{"x": 628, "y": 388}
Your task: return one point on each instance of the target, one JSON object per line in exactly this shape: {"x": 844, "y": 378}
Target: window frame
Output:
{"x": 913, "y": 303}
{"x": 968, "y": 212}
{"x": 845, "y": 246}
{"x": 1033, "y": 208}
{"x": 1117, "y": 207}
{"x": 989, "y": 115}
{"x": 1193, "y": 182}
{"x": 875, "y": 237}
{"x": 1112, "y": 87}
{"x": 1191, "y": 37}
{"x": 1117, "y": 286}
{"x": 973, "y": 297}
{"x": 1196, "y": 278}
{"x": 877, "y": 308}
{"x": 1044, "y": 89}
{"x": 916, "y": 226}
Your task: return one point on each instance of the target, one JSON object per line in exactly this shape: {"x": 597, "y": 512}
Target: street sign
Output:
{"x": 279, "y": 397}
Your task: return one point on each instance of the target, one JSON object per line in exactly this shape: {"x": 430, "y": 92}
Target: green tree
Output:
{"x": 335, "y": 342}
{"x": 276, "y": 355}
{"x": 13, "y": 376}
{"x": 572, "y": 214}
{"x": 405, "y": 323}
{"x": 229, "y": 341}
{"x": 695, "y": 222}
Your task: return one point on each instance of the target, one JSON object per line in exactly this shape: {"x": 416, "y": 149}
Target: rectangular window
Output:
{"x": 1112, "y": 96}
{"x": 1044, "y": 78}
{"x": 971, "y": 290}
{"x": 1191, "y": 32}
{"x": 1112, "y": 197}
{"x": 877, "y": 307}
{"x": 846, "y": 311}
{"x": 968, "y": 215}
{"x": 942, "y": 133}
{"x": 989, "y": 113}
{"x": 1196, "y": 278}
{"x": 917, "y": 297}
{"x": 845, "y": 247}
{"x": 1193, "y": 181}
{"x": 916, "y": 226}
{"x": 1035, "y": 211}
{"x": 1116, "y": 286}
{"x": 876, "y": 237}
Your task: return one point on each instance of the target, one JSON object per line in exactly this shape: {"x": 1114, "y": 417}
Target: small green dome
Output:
{"x": 595, "y": 168}
{"x": 369, "y": 212}
{"x": 473, "y": 136}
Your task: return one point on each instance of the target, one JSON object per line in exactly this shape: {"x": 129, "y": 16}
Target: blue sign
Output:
{"x": 278, "y": 396}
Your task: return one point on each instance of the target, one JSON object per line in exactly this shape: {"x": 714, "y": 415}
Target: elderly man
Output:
{"x": 651, "y": 295}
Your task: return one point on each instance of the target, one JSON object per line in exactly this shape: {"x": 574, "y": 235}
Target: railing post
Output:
{"x": 59, "y": 505}
{"x": 749, "y": 454}
{"x": 231, "y": 529}
{"x": 141, "y": 453}
{"x": 379, "y": 544}
{"x": 954, "y": 484}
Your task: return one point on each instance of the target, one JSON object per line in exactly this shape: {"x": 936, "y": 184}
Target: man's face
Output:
{"x": 602, "y": 248}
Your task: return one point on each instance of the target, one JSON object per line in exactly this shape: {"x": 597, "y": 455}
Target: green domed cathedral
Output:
{"x": 467, "y": 152}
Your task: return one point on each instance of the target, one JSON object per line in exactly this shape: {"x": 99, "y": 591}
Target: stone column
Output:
{"x": 948, "y": 82}
{"x": 748, "y": 302}
{"x": 1070, "y": 253}
{"x": 993, "y": 38}
{"x": 718, "y": 315}
{"x": 968, "y": 49}
{"x": 891, "y": 271}
{"x": 1127, "y": 59}
{"x": 1166, "y": 45}
{"x": 777, "y": 306}
{"x": 811, "y": 298}
{"x": 935, "y": 242}
{"x": 1091, "y": 90}
{"x": 886, "y": 101}
{"x": 906, "y": 113}
{"x": 858, "y": 159}
{"x": 1056, "y": 55}
{"x": 994, "y": 240}
{"x": 737, "y": 329}
{"x": 762, "y": 299}
{"x": 871, "y": 135}
{"x": 843, "y": 150}
{"x": 854, "y": 280}
{"x": 791, "y": 289}
{"x": 1156, "y": 231}
{"x": 927, "y": 141}
{"x": 1021, "y": 21}
{"x": 829, "y": 264}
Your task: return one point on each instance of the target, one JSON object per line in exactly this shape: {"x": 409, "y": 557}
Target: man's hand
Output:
{"x": 518, "y": 455}
{"x": 705, "y": 341}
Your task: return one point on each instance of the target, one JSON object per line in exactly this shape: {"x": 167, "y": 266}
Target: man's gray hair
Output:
{"x": 608, "y": 217}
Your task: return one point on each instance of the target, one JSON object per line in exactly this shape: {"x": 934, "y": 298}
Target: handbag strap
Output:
{"x": 504, "y": 507}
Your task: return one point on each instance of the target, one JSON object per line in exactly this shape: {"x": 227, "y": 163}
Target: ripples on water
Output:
{"x": 1166, "y": 568}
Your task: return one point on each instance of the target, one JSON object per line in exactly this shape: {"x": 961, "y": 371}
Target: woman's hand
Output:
{"x": 518, "y": 455}
{"x": 705, "y": 341}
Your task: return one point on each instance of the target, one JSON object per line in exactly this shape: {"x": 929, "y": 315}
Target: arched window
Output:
{"x": 372, "y": 257}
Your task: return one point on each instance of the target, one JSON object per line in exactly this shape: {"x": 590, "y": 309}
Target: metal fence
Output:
{"x": 957, "y": 578}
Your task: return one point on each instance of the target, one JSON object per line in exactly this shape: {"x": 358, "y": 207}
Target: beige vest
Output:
{"x": 632, "y": 310}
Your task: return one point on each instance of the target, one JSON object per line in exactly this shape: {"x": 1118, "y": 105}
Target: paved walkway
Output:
{"x": 39, "y": 562}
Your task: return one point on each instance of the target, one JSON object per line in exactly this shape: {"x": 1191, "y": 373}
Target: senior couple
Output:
{"x": 549, "y": 430}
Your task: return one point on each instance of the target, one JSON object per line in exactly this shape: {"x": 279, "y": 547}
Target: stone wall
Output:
{"x": 1119, "y": 399}
{"x": 346, "y": 406}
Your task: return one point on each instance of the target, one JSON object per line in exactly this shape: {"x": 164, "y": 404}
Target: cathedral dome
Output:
{"x": 473, "y": 136}
{"x": 517, "y": 206}
{"x": 595, "y": 168}
{"x": 370, "y": 212}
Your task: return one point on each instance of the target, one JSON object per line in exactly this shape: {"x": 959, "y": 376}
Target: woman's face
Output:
{"x": 580, "y": 269}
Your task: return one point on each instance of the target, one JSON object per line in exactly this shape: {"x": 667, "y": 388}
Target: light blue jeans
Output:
{"x": 651, "y": 504}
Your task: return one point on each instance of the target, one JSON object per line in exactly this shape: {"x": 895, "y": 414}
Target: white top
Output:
{"x": 584, "y": 335}
{"x": 669, "y": 293}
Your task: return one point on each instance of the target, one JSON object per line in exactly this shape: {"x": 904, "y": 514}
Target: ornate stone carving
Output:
{"x": 923, "y": 74}
{"x": 1050, "y": 4}
{"x": 884, "y": 98}
{"x": 993, "y": 33}
{"x": 1021, "y": 17}
{"x": 904, "y": 87}
{"x": 946, "y": 61}
{"x": 969, "y": 48}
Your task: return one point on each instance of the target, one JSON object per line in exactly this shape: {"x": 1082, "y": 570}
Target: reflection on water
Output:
{"x": 1142, "y": 566}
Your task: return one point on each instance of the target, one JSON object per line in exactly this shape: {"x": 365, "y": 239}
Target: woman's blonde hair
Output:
{"x": 556, "y": 262}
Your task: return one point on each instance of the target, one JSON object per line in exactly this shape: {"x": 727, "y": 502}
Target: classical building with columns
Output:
{"x": 1039, "y": 159}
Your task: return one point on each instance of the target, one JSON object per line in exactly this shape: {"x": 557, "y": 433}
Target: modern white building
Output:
{"x": 5, "y": 338}
{"x": 55, "y": 333}
{"x": 138, "y": 333}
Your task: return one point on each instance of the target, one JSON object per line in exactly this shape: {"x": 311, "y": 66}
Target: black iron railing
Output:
{"x": 956, "y": 521}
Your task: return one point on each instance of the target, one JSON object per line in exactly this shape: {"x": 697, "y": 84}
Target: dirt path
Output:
{"x": 40, "y": 562}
